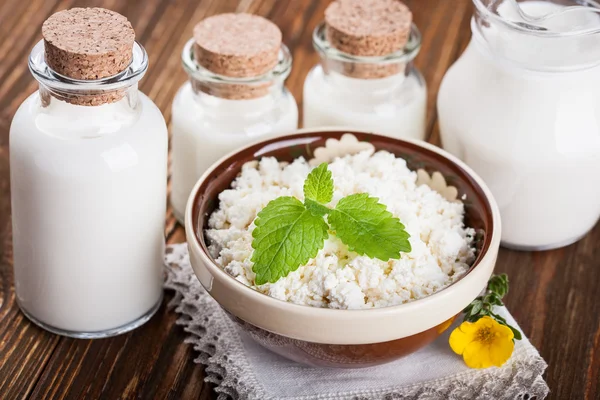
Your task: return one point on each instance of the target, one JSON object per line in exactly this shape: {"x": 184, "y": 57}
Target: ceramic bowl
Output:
{"x": 344, "y": 338}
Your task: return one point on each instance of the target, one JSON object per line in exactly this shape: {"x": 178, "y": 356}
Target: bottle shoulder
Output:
{"x": 382, "y": 96}
{"x": 152, "y": 112}
{"x": 69, "y": 147}
{"x": 110, "y": 122}
{"x": 274, "y": 112}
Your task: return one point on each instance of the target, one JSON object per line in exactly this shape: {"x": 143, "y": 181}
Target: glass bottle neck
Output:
{"x": 210, "y": 97}
{"x": 87, "y": 93}
{"x": 365, "y": 88}
{"x": 57, "y": 116}
{"x": 212, "y": 88}
{"x": 349, "y": 69}
{"x": 74, "y": 109}
{"x": 81, "y": 99}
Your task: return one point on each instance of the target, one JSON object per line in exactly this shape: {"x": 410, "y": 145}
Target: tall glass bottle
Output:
{"x": 88, "y": 164}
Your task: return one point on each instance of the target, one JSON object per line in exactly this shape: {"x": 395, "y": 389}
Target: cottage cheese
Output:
{"x": 442, "y": 248}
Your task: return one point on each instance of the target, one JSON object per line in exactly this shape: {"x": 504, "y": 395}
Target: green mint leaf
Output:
{"x": 367, "y": 227}
{"x": 286, "y": 236}
{"x": 315, "y": 208}
{"x": 319, "y": 185}
{"x": 477, "y": 306}
{"x": 468, "y": 308}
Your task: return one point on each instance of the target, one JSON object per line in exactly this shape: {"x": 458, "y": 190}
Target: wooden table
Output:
{"x": 554, "y": 295}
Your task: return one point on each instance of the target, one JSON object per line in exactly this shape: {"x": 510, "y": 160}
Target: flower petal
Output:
{"x": 459, "y": 339}
{"x": 487, "y": 322}
{"x": 477, "y": 355}
{"x": 504, "y": 332}
{"x": 500, "y": 351}
{"x": 469, "y": 327}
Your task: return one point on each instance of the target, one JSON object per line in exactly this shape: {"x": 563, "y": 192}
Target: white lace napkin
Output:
{"x": 241, "y": 369}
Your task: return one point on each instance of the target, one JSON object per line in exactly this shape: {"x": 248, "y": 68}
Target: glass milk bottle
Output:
{"x": 367, "y": 78}
{"x": 522, "y": 107}
{"x": 235, "y": 95}
{"x": 88, "y": 163}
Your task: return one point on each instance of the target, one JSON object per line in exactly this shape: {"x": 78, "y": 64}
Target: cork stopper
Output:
{"x": 88, "y": 44}
{"x": 368, "y": 28}
{"x": 237, "y": 46}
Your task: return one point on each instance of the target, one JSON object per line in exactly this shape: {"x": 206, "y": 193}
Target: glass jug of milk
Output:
{"x": 521, "y": 106}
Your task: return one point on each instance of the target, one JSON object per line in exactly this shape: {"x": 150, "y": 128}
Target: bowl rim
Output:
{"x": 195, "y": 245}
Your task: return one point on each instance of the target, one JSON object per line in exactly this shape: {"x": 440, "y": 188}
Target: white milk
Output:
{"x": 393, "y": 106}
{"x": 88, "y": 189}
{"x": 205, "y": 128}
{"x": 524, "y": 112}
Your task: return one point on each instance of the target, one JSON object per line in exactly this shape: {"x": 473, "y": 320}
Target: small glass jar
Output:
{"x": 394, "y": 105}
{"x": 88, "y": 188}
{"x": 521, "y": 106}
{"x": 207, "y": 123}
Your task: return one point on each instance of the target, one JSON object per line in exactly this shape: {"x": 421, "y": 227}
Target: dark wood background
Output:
{"x": 554, "y": 295}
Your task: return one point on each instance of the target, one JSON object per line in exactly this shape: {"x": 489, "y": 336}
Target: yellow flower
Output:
{"x": 483, "y": 343}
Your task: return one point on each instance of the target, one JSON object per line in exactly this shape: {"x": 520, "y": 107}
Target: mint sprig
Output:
{"x": 289, "y": 233}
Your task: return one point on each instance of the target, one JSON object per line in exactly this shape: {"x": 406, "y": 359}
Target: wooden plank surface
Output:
{"x": 554, "y": 294}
